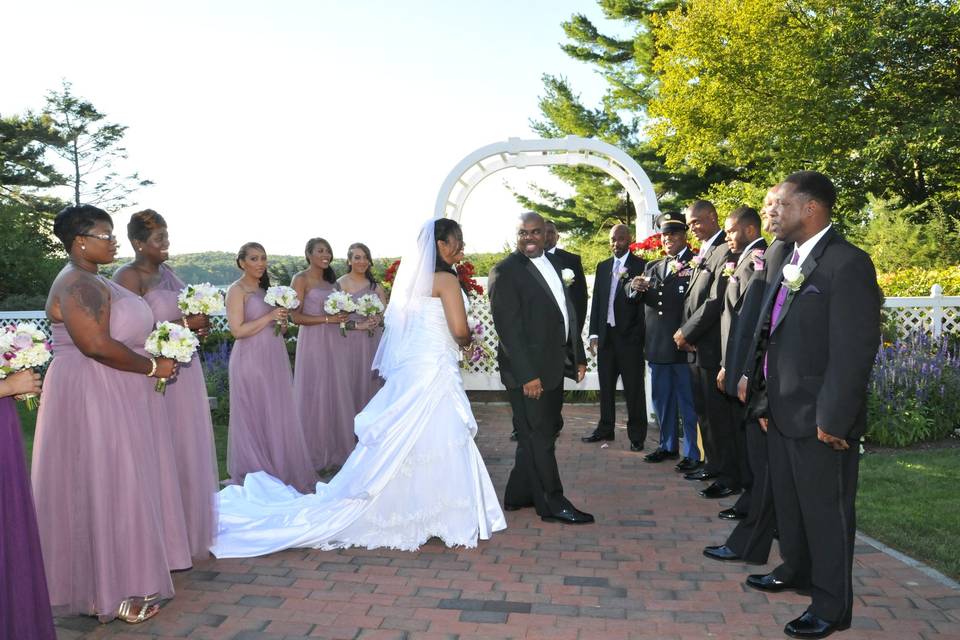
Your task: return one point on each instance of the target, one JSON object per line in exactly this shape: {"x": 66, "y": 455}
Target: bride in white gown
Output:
{"x": 416, "y": 472}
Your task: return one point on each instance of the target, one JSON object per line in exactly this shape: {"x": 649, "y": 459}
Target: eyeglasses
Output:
{"x": 107, "y": 237}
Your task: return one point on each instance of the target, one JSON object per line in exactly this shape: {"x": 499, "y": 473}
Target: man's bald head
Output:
{"x": 620, "y": 239}
{"x": 530, "y": 234}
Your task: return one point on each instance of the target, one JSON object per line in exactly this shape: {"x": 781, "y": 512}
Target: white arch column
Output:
{"x": 571, "y": 150}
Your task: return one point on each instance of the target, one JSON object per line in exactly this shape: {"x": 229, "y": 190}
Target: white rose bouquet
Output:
{"x": 173, "y": 341}
{"x": 280, "y": 296}
{"x": 369, "y": 305}
{"x": 340, "y": 302}
{"x": 23, "y": 346}
{"x": 200, "y": 299}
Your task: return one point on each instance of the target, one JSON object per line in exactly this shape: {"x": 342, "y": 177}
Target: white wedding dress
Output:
{"x": 415, "y": 473}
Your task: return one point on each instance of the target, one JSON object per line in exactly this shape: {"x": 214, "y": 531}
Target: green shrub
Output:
{"x": 917, "y": 281}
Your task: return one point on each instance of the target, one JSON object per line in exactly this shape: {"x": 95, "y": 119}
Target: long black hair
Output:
{"x": 443, "y": 228}
{"x": 265, "y": 278}
{"x": 328, "y": 274}
{"x": 366, "y": 251}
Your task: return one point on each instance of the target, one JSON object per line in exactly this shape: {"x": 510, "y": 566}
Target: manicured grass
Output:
{"x": 908, "y": 500}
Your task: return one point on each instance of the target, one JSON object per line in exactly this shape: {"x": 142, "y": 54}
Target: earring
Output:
{"x": 83, "y": 247}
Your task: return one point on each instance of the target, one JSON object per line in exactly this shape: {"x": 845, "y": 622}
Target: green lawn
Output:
{"x": 907, "y": 500}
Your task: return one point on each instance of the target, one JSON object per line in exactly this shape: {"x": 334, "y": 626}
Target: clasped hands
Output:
{"x": 534, "y": 388}
{"x": 682, "y": 343}
{"x": 640, "y": 284}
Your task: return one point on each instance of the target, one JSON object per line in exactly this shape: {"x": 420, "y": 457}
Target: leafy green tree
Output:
{"x": 867, "y": 91}
{"x": 91, "y": 148}
{"x": 895, "y": 240}
{"x": 626, "y": 64}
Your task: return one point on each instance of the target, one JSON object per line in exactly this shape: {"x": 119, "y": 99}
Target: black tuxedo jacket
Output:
{"x": 529, "y": 323}
{"x": 701, "y": 311}
{"x": 822, "y": 349}
{"x": 578, "y": 288}
{"x": 737, "y": 286}
{"x": 663, "y": 304}
{"x": 627, "y": 313}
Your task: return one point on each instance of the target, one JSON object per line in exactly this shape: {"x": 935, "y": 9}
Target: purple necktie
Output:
{"x": 778, "y": 306}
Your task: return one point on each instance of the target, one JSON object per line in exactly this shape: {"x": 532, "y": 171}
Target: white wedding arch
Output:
{"x": 571, "y": 150}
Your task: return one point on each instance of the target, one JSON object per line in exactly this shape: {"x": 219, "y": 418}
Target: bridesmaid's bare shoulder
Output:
{"x": 80, "y": 289}
{"x": 128, "y": 277}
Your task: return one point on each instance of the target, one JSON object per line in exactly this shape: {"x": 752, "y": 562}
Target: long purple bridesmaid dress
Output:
{"x": 24, "y": 602}
{"x": 362, "y": 348}
{"x": 324, "y": 393}
{"x": 265, "y": 432}
{"x": 104, "y": 475}
{"x": 188, "y": 415}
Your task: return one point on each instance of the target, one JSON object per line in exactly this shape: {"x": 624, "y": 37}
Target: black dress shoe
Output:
{"x": 811, "y": 626}
{"x": 636, "y": 446}
{"x": 569, "y": 515}
{"x": 687, "y": 465}
{"x": 702, "y": 475}
{"x": 731, "y": 514}
{"x": 596, "y": 437}
{"x": 718, "y": 490}
{"x": 773, "y": 584}
{"x": 659, "y": 455}
{"x": 723, "y": 552}
{"x": 515, "y": 507}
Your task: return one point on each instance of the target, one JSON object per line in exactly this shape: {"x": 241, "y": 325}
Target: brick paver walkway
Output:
{"x": 637, "y": 573}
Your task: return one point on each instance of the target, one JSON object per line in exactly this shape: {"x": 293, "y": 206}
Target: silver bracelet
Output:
{"x": 153, "y": 366}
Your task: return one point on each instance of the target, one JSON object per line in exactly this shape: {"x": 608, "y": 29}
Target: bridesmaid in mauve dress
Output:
{"x": 318, "y": 385}
{"x": 187, "y": 407}
{"x": 104, "y": 479}
{"x": 362, "y": 346}
{"x": 24, "y": 602}
{"x": 265, "y": 433}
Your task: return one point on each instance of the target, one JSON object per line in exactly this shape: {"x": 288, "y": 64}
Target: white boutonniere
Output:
{"x": 622, "y": 273}
{"x": 567, "y": 276}
{"x": 792, "y": 277}
{"x": 728, "y": 269}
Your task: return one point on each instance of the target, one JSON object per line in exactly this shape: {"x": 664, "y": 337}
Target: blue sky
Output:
{"x": 279, "y": 121}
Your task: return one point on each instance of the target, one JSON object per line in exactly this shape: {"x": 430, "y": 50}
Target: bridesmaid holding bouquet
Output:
{"x": 265, "y": 432}
{"x": 101, "y": 476}
{"x": 24, "y": 602}
{"x": 318, "y": 387}
{"x": 364, "y": 339}
{"x": 187, "y": 407}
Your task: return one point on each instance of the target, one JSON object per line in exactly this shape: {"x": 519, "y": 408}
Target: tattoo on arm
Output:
{"x": 88, "y": 297}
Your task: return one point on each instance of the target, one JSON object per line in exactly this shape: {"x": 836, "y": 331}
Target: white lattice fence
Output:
{"x": 936, "y": 314}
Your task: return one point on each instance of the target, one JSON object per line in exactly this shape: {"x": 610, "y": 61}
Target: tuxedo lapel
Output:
{"x": 808, "y": 266}
{"x": 532, "y": 270}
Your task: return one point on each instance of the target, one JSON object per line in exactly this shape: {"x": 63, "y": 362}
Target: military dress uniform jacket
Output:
{"x": 664, "y": 307}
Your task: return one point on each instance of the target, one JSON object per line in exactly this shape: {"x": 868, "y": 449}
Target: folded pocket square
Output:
{"x": 812, "y": 288}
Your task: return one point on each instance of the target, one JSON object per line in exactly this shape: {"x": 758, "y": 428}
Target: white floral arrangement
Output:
{"x": 172, "y": 341}
{"x": 281, "y": 296}
{"x": 23, "y": 346}
{"x": 793, "y": 277}
{"x": 369, "y": 304}
{"x": 200, "y": 299}
{"x": 567, "y": 276}
{"x": 340, "y": 302}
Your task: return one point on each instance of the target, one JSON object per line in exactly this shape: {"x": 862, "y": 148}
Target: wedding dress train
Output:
{"x": 415, "y": 473}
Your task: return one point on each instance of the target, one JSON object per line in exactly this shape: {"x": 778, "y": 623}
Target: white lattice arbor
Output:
{"x": 571, "y": 150}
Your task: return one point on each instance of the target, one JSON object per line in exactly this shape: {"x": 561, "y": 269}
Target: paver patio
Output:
{"x": 637, "y": 573}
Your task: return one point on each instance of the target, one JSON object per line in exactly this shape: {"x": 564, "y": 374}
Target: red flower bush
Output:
{"x": 465, "y": 272}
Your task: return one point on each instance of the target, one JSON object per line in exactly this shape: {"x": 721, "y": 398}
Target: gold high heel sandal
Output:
{"x": 147, "y": 611}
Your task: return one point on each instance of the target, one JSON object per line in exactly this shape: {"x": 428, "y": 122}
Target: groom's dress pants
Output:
{"x": 535, "y": 478}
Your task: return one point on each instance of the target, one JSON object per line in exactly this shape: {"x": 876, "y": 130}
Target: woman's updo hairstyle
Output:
{"x": 77, "y": 220}
{"x": 242, "y": 254}
{"x": 443, "y": 228}
{"x": 143, "y": 223}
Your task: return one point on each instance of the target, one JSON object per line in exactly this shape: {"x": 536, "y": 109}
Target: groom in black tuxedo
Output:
{"x": 539, "y": 345}
{"x": 815, "y": 344}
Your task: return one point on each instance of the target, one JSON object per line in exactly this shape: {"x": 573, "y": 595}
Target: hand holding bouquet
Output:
{"x": 172, "y": 341}
{"x": 23, "y": 346}
{"x": 340, "y": 302}
{"x": 283, "y": 297}
{"x": 477, "y": 350}
{"x": 369, "y": 305}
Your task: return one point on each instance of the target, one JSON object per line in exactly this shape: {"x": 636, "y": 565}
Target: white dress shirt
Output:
{"x": 708, "y": 244}
{"x": 747, "y": 250}
{"x": 545, "y": 267}
{"x": 803, "y": 250}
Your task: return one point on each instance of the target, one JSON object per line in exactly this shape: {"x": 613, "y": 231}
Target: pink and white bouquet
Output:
{"x": 280, "y": 296}
{"x": 369, "y": 304}
{"x": 23, "y": 346}
{"x": 729, "y": 268}
{"x": 173, "y": 341}
{"x": 478, "y": 350}
{"x": 340, "y": 302}
{"x": 200, "y": 299}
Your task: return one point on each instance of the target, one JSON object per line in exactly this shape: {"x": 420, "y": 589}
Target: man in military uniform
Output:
{"x": 663, "y": 287}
